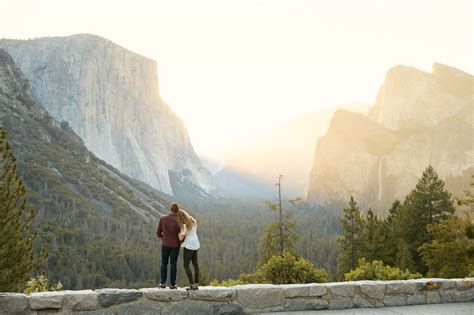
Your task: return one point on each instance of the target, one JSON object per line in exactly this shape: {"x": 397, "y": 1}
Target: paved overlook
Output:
{"x": 251, "y": 299}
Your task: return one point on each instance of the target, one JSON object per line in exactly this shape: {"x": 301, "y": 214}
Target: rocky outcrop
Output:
{"x": 410, "y": 98}
{"x": 242, "y": 299}
{"x": 418, "y": 119}
{"x": 109, "y": 96}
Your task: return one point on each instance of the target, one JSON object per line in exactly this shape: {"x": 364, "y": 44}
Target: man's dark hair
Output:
{"x": 174, "y": 207}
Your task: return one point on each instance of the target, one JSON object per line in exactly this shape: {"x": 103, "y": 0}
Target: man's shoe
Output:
{"x": 173, "y": 287}
{"x": 162, "y": 286}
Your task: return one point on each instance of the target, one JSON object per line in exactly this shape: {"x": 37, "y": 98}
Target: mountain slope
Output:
{"x": 110, "y": 98}
{"x": 418, "y": 119}
{"x": 98, "y": 224}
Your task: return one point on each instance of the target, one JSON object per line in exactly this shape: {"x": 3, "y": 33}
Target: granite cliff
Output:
{"x": 109, "y": 96}
{"x": 418, "y": 119}
{"x": 97, "y": 224}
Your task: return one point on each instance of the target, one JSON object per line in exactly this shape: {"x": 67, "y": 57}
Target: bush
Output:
{"x": 376, "y": 270}
{"x": 288, "y": 268}
{"x": 40, "y": 284}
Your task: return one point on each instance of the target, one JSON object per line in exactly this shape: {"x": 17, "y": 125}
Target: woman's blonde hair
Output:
{"x": 183, "y": 217}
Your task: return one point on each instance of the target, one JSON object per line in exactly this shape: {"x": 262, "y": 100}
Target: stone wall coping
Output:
{"x": 248, "y": 298}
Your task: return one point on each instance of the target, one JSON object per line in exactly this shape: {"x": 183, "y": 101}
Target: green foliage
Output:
{"x": 288, "y": 268}
{"x": 451, "y": 252}
{"x": 41, "y": 284}
{"x": 225, "y": 283}
{"x": 17, "y": 259}
{"x": 351, "y": 241}
{"x": 428, "y": 203}
{"x": 277, "y": 233}
{"x": 285, "y": 268}
{"x": 376, "y": 270}
{"x": 404, "y": 259}
{"x": 373, "y": 237}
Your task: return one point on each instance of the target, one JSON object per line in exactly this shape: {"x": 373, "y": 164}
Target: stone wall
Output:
{"x": 242, "y": 299}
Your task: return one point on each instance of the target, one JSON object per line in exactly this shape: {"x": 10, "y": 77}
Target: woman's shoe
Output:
{"x": 162, "y": 286}
{"x": 173, "y": 287}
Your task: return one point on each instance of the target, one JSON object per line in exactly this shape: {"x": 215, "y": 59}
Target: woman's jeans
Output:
{"x": 166, "y": 254}
{"x": 191, "y": 256}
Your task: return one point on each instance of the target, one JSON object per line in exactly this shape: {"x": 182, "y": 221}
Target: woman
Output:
{"x": 191, "y": 246}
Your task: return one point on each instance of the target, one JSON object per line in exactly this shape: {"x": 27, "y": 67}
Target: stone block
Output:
{"x": 419, "y": 298}
{"x": 259, "y": 296}
{"x": 359, "y": 301}
{"x": 300, "y": 304}
{"x": 228, "y": 309}
{"x": 84, "y": 300}
{"x": 213, "y": 294}
{"x": 164, "y": 295}
{"x": 339, "y": 304}
{"x": 188, "y": 308}
{"x": 13, "y": 303}
{"x": 342, "y": 289}
{"x": 403, "y": 287}
{"x": 394, "y": 300}
{"x": 42, "y": 300}
{"x": 304, "y": 290}
{"x": 373, "y": 290}
{"x": 433, "y": 297}
{"x": 448, "y": 284}
{"x": 464, "y": 284}
{"x": 108, "y": 297}
{"x": 452, "y": 295}
{"x": 145, "y": 307}
{"x": 432, "y": 285}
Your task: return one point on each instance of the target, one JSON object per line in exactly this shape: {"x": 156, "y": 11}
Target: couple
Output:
{"x": 176, "y": 229}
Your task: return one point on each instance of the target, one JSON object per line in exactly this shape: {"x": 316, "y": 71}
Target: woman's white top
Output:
{"x": 191, "y": 240}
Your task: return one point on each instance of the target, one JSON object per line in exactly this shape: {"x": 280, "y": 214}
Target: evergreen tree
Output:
{"x": 277, "y": 233}
{"x": 373, "y": 237}
{"x": 280, "y": 235}
{"x": 404, "y": 259}
{"x": 17, "y": 259}
{"x": 390, "y": 235}
{"x": 350, "y": 242}
{"x": 428, "y": 203}
{"x": 451, "y": 252}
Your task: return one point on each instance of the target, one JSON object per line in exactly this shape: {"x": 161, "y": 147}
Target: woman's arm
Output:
{"x": 182, "y": 233}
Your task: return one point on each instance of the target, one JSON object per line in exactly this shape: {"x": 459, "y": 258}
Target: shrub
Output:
{"x": 40, "y": 284}
{"x": 288, "y": 268}
{"x": 376, "y": 270}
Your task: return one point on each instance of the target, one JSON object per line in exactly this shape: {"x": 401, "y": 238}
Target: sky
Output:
{"x": 232, "y": 69}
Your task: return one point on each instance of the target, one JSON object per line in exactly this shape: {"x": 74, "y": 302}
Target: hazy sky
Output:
{"x": 232, "y": 68}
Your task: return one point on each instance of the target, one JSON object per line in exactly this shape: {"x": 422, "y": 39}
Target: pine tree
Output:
{"x": 350, "y": 242}
{"x": 373, "y": 237}
{"x": 451, "y": 252}
{"x": 280, "y": 235}
{"x": 17, "y": 258}
{"x": 428, "y": 203}
{"x": 404, "y": 259}
{"x": 390, "y": 235}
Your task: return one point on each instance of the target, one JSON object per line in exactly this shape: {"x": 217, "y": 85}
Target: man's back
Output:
{"x": 168, "y": 230}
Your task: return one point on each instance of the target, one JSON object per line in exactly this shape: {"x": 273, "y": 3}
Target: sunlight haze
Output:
{"x": 232, "y": 69}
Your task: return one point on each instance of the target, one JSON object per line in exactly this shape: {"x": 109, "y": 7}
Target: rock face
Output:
{"x": 74, "y": 191}
{"x": 418, "y": 119}
{"x": 110, "y": 98}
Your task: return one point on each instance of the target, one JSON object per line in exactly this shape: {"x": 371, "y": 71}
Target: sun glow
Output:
{"x": 232, "y": 69}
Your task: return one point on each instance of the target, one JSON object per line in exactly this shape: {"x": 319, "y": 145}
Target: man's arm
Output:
{"x": 159, "y": 231}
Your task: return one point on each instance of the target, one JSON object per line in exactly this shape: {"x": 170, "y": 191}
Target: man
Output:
{"x": 167, "y": 232}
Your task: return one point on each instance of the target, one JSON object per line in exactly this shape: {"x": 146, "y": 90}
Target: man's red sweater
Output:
{"x": 168, "y": 230}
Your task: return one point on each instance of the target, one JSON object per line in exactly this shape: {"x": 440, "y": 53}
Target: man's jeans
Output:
{"x": 166, "y": 254}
